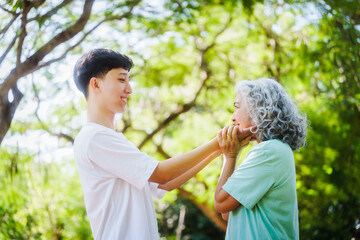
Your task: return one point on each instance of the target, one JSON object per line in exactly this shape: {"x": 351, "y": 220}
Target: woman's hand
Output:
{"x": 228, "y": 141}
{"x": 232, "y": 139}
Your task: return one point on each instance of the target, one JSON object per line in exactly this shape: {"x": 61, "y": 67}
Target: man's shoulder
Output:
{"x": 95, "y": 134}
{"x": 91, "y": 129}
{"x": 87, "y": 133}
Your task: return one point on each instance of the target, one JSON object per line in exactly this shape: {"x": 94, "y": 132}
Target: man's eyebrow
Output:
{"x": 125, "y": 74}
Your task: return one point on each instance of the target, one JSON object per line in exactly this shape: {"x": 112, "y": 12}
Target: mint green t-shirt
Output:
{"x": 265, "y": 186}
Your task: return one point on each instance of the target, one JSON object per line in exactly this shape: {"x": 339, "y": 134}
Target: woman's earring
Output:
{"x": 253, "y": 129}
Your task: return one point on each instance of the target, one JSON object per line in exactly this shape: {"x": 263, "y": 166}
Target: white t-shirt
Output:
{"x": 114, "y": 176}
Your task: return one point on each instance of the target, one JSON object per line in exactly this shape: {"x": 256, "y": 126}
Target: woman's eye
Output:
{"x": 121, "y": 79}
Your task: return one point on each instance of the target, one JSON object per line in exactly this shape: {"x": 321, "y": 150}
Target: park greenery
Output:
{"x": 188, "y": 56}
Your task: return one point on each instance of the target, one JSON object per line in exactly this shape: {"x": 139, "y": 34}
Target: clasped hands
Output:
{"x": 232, "y": 139}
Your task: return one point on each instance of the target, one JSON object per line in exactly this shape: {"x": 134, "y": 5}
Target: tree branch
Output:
{"x": 22, "y": 35}
{"x": 8, "y": 11}
{"x": 26, "y": 8}
{"x": 131, "y": 7}
{"x": 27, "y": 66}
{"x": 186, "y": 107}
{"x": 63, "y": 36}
{"x": 82, "y": 39}
{"x": 160, "y": 150}
{"x": 209, "y": 212}
{"x": 50, "y": 12}
{"x": 43, "y": 126}
{"x": 32, "y": 62}
{"x": 8, "y": 49}
{"x": 6, "y": 28}
{"x": 219, "y": 33}
{"x": 45, "y": 64}
{"x": 7, "y": 109}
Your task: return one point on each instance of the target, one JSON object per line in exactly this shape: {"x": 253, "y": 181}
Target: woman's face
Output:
{"x": 241, "y": 117}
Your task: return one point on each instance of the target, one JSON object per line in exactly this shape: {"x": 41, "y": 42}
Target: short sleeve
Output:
{"x": 252, "y": 179}
{"x": 117, "y": 156}
{"x": 155, "y": 191}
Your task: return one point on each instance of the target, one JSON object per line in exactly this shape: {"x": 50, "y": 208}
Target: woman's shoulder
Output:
{"x": 273, "y": 146}
{"x": 270, "y": 153}
{"x": 273, "y": 143}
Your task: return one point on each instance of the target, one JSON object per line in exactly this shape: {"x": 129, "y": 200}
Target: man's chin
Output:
{"x": 122, "y": 110}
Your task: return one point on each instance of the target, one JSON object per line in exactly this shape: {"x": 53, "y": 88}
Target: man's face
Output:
{"x": 115, "y": 89}
{"x": 241, "y": 117}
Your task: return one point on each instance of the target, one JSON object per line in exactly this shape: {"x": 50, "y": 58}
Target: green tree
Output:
{"x": 328, "y": 169}
{"x": 32, "y": 50}
{"x": 188, "y": 55}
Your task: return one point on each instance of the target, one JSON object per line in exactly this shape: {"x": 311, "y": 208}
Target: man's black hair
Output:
{"x": 98, "y": 63}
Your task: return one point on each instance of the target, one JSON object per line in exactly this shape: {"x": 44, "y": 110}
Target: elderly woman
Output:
{"x": 259, "y": 198}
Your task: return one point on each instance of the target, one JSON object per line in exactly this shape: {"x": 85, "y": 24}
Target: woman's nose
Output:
{"x": 233, "y": 118}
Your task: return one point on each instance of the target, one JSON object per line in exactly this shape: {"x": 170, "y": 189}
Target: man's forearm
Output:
{"x": 180, "y": 180}
{"x": 176, "y": 166}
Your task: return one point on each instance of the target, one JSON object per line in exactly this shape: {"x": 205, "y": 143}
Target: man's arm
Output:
{"x": 177, "y": 182}
{"x": 174, "y": 167}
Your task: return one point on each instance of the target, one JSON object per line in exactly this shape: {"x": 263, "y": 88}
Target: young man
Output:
{"x": 118, "y": 180}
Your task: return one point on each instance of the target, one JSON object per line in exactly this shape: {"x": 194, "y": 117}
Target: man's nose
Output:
{"x": 128, "y": 88}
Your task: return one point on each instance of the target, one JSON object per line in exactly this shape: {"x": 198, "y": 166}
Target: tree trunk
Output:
{"x": 209, "y": 212}
{"x": 7, "y": 110}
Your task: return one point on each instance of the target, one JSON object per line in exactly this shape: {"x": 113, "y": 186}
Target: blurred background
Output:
{"x": 188, "y": 55}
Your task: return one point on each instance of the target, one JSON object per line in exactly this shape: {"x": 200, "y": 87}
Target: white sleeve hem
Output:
{"x": 155, "y": 191}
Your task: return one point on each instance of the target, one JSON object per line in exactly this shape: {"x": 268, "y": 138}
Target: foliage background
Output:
{"x": 188, "y": 56}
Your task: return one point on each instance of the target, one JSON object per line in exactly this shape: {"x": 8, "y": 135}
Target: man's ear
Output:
{"x": 94, "y": 84}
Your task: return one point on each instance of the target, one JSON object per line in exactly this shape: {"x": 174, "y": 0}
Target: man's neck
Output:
{"x": 100, "y": 116}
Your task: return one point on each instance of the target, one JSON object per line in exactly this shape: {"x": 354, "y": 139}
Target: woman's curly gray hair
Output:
{"x": 273, "y": 112}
